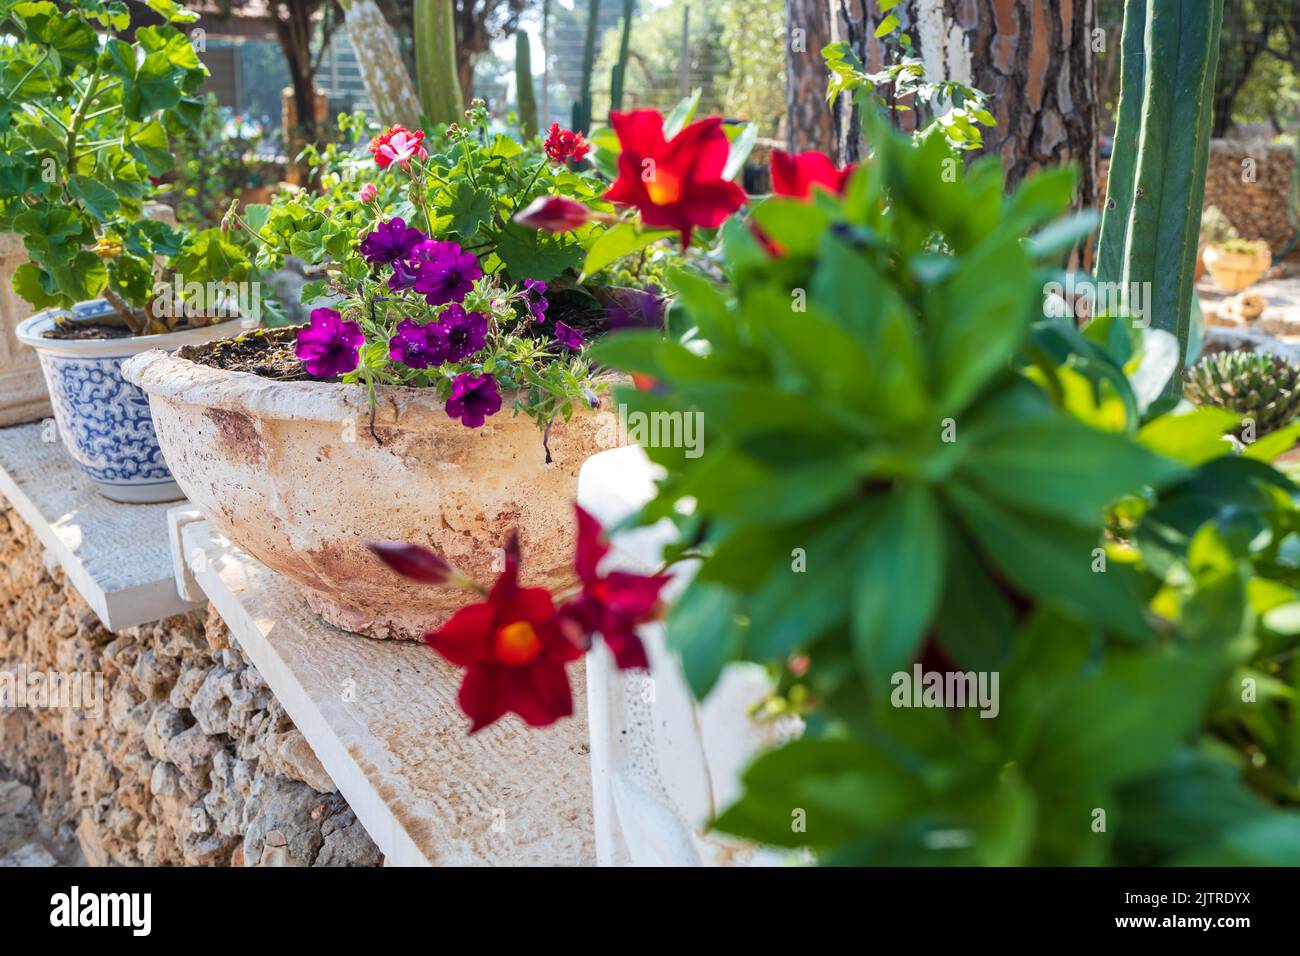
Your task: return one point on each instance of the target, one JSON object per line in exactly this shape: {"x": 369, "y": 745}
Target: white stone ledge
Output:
{"x": 115, "y": 555}
{"x": 383, "y": 720}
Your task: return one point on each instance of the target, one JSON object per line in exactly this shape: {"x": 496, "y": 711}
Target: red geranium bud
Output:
{"x": 554, "y": 214}
{"x": 412, "y": 561}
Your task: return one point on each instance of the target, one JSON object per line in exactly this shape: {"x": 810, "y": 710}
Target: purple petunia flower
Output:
{"x": 391, "y": 242}
{"x": 417, "y": 346}
{"x": 463, "y": 333}
{"x": 444, "y": 272}
{"x": 403, "y": 277}
{"x": 473, "y": 398}
{"x": 535, "y": 298}
{"x": 570, "y": 338}
{"x": 328, "y": 347}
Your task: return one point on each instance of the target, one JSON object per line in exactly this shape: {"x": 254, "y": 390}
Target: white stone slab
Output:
{"x": 382, "y": 718}
{"x": 115, "y": 555}
{"x": 663, "y": 764}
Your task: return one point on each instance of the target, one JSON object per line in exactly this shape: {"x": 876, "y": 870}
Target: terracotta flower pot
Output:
{"x": 290, "y": 472}
{"x": 1235, "y": 271}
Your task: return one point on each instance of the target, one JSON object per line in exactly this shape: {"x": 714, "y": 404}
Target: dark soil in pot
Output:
{"x": 82, "y": 331}
{"x": 269, "y": 353}
{"x": 264, "y": 352}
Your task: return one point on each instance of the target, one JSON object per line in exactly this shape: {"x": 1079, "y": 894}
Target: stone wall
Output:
{"x": 191, "y": 760}
{"x": 1261, "y": 209}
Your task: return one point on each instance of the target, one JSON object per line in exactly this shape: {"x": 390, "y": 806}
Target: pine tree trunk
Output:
{"x": 379, "y": 57}
{"x": 809, "y": 123}
{"x": 1035, "y": 60}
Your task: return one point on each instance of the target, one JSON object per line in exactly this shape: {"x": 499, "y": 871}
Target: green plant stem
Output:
{"x": 52, "y": 115}
{"x": 78, "y": 119}
{"x": 28, "y": 75}
{"x": 104, "y": 112}
{"x": 524, "y": 195}
{"x": 469, "y": 161}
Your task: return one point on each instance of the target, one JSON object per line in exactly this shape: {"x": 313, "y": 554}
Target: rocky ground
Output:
{"x": 1279, "y": 290}
{"x": 26, "y": 837}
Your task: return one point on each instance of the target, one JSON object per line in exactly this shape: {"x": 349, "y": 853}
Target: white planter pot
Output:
{"x": 103, "y": 419}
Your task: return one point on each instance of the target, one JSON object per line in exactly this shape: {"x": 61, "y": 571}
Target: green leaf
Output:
{"x": 1052, "y": 560}
{"x": 983, "y": 312}
{"x": 838, "y": 790}
{"x": 1273, "y": 444}
{"x": 98, "y": 198}
{"x": 807, "y": 591}
{"x": 71, "y": 38}
{"x": 887, "y": 25}
{"x": 29, "y": 283}
{"x": 682, "y": 113}
{"x": 904, "y": 555}
{"x": 742, "y": 144}
{"x": 1061, "y": 468}
{"x": 1192, "y": 436}
{"x": 797, "y": 226}
{"x": 529, "y": 254}
{"x": 703, "y": 629}
{"x": 148, "y": 143}
{"x": 1125, "y": 721}
{"x": 470, "y": 208}
{"x": 1062, "y": 235}
{"x": 615, "y": 243}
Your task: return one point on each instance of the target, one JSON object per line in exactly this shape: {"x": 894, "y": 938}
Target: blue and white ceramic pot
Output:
{"x": 103, "y": 419}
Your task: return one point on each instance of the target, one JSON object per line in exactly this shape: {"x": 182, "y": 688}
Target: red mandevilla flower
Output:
{"x": 613, "y": 604}
{"x": 514, "y": 644}
{"x": 563, "y": 145}
{"x": 675, "y": 183}
{"x": 795, "y": 174}
{"x": 513, "y": 652}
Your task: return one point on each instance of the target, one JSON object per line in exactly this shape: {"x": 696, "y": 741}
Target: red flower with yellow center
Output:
{"x": 513, "y": 652}
{"x": 675, "y": 183}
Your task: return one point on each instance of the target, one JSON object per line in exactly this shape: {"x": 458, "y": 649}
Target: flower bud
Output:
{"x": 554, "y": 214}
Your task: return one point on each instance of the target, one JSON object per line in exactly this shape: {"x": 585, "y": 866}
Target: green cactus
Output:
{"x": 524, "y": 85}
{"x": 1261, "y": 387}
{"x": 435, "y": 60}
{"x": 618, "y": 74}
{"x": 582, "y": 105}
{"x": 1157, "y": 180}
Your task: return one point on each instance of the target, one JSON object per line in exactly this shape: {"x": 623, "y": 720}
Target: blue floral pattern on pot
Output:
{"x": 104, "y": 419}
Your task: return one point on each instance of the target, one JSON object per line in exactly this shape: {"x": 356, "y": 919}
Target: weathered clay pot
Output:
{"x": 1236, "y": 271}
{"x": 289, "y": 472}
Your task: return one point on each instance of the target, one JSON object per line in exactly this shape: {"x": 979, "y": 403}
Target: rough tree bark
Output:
{"x": 1035, "y": 60}
{"x": 1033, "y": 57}
{"x": 809, "y": 123}
{"x": 382, "y": 68}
